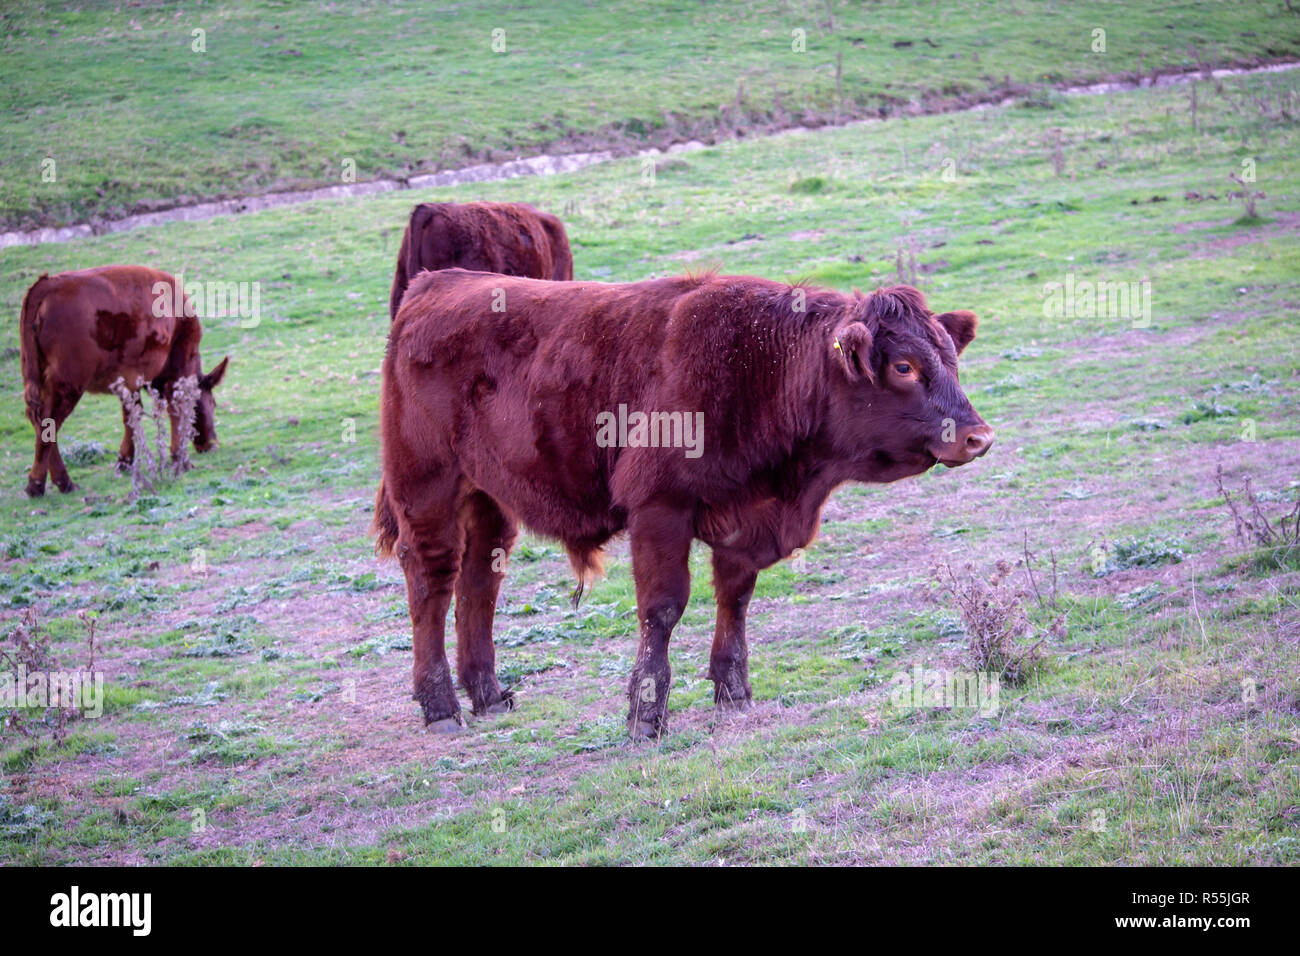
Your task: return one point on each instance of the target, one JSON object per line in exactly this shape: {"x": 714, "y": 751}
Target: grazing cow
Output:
{"x": 724, "y": 408}
{"x": 81, "y": 331}
{"x": 511, "y": 238}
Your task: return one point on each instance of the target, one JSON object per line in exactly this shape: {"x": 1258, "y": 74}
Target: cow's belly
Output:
{"x": 549, "y": 477}
{"x": 142, "y": 369}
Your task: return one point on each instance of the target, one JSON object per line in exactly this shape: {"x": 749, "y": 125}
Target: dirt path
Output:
{"x": 550, "y": 165}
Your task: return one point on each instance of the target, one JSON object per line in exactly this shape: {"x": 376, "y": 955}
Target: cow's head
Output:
{"x": 205, "y": 425}
{"x": 897, "y": 407}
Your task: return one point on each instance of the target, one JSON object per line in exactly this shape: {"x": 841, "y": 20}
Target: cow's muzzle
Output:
{"x": 971, "y": 442}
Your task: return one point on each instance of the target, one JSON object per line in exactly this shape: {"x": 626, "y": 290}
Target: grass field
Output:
{"x": 257, "y": 709}
{"x": 137, "y": 111}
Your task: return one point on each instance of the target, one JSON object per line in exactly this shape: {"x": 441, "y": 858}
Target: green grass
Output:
{"x": 297, "y": 741}
{"x": 289, "y": 95}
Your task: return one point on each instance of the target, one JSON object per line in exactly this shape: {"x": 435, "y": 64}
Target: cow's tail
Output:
{"x": 561, "y": 256}
{"x": 31, "y": 349}
{"x": 384, "y": 526}
{"x": 408, "y": 265}
{"x": 588, "y": 563}
{"x": 400, "y": 278}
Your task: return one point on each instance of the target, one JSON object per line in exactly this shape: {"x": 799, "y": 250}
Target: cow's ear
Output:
{"x": 213, "y": 379}
{"x": 961, "y": 326}
{"x": 853, "y": 345}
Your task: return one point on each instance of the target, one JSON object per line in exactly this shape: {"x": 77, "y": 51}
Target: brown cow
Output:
{"x": 511, "y": 238}
{"x": 81, "y": 331}
{"x": 507, "y": 400}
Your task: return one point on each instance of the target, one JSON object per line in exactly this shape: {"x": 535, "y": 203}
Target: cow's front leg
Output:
{"x": 178, "y": 460}
{"x": 661, "y": 545}
{"x": 733, "y": 585}
{"x": 125, "y": 451}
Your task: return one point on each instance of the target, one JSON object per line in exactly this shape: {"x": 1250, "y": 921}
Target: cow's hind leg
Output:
{"x": 489, "y": 535}
{"x": 429, "y": 547}
{"x": 40, "y": 464}
{"x": 60, "y": 406}
{"x": 40, "y": 414}
{"x": 661, "y": 545}
{"x": 733, "y": 585}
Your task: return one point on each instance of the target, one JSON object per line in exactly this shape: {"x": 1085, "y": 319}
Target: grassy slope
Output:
{"x": 286, "y": 92}
{"x": 1140, "y": 716}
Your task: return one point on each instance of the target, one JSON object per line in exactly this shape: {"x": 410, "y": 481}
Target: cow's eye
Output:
{"x": 903, "y": 368}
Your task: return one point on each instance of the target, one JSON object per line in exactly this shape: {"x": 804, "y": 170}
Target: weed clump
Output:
{"x": 1248, "y": 197}
{"x": 1275, "y": 541}
{"x": 78, "y": 453}
{"x": 809, "y": 185}
{"x": 1001, "y": 637}
{"x": 1203, "y": 411}
{"x": 1130, "y": 553}
{"x": 26, "y": 653}
{"x": 150, "y": 462}
{"x": 22, "y": 822}
{"x": 1042, "y": 98}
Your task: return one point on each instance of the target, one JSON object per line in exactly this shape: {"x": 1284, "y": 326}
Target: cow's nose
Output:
{"x": 978, "y": 440}
{"x": 969, "y": 443}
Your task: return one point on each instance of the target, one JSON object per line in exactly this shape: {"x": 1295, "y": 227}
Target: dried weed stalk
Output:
{"x": 184, "y": 407}
{"x": 27, "y": 651}
{"x": 1248, "y": 196}
{"x": 152, "y": 461}
{"x": 1252, "y": 526}
{"x": 1002, "y": 639}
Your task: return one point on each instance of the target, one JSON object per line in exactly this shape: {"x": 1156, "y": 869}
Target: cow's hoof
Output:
{"x": 68, "y": 487}
{"x": 448, "y": 725}
{"x": 123, "y": 466}
{"x": 35, "y": 489}
{"x": 725, "y": 701}
{"x": 731, "y": 691}
{"x": 643, "y": 729}
{"x": 437, "y": 700}
{"x": 488, "y": 699}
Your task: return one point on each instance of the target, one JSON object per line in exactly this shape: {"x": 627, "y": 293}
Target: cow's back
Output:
{"x": 93, "y": 326}
{"x": 504, "y": 378}
{"x": 506, "y": 238}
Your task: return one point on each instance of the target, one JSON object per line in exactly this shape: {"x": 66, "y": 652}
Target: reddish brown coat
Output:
{"x": 511, "y": 238}
{"x": 81, "y": 331}
{"x": 493, "y": 396}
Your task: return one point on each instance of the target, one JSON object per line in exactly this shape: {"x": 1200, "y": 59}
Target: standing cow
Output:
{"x": 724, "y": 408}
{"x": 81, "y": 331}
{"x": 511, "y": 238}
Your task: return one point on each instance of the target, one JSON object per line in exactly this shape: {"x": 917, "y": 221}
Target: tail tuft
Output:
{"x": 384, "y": 526}
{"x": 588, "y": 564}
